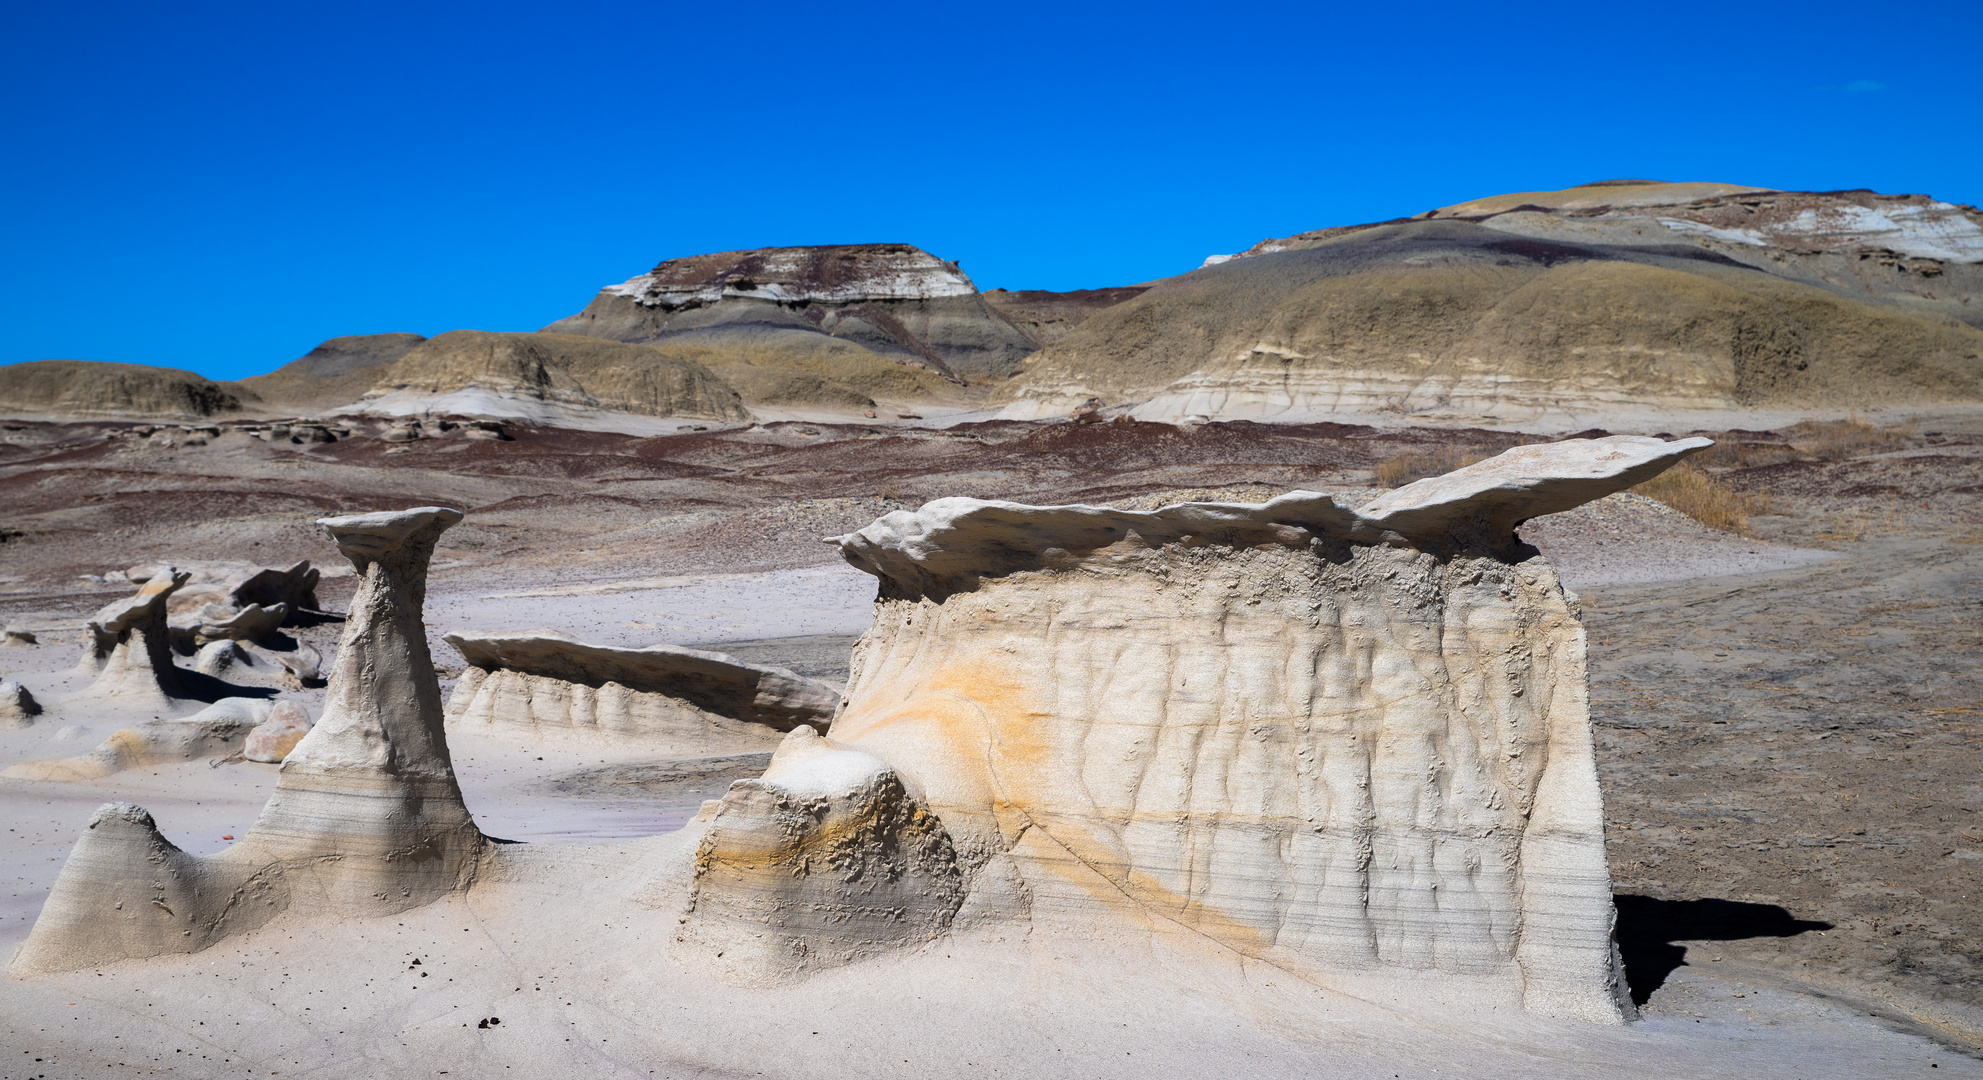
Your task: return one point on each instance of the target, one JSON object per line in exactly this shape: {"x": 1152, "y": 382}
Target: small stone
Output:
{"x": 18, "y": 708}
{"x": 274, "y": 738}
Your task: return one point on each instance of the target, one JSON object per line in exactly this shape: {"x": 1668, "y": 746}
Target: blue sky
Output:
{"x": 219, "y": 187}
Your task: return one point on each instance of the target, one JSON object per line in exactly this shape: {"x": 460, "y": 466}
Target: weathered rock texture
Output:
{"x": 824, "y": 860}
{"x": 894, "y": 300}
{"x": 129, "y": 647}
{"x": 679, "y": 701}
{"x": 366, "y": 818}
{"x": 1342, "y": 741}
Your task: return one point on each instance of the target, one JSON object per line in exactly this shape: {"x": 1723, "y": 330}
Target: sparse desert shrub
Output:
{"x": 1837, "y": 440}
{"x": 1688, "y": 489}
{"x": 1417, "y": 464}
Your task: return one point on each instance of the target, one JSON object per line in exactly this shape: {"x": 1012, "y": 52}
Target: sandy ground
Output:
{"x": 1787, "y": 734}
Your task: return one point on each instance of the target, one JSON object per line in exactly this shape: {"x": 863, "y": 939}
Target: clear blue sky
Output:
{"x": 218, "y": 187}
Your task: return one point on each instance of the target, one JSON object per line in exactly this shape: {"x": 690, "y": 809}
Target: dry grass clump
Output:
{"x": 1837, "y": 440}
{"x": 1688, "y": 489}
{"x": 1731, "y": 452}
{"x": 1410, "y": 465}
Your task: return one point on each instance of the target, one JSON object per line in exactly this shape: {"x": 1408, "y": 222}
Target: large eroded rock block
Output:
{"x": 1345, "y": 742}
{"x": 675, "y": 700}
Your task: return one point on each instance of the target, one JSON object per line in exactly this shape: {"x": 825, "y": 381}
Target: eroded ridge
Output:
{"x": 366, "y": 818}
{"x": 1352, "y": 742}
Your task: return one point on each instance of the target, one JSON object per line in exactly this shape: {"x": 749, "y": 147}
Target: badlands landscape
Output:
{"x": 1536, "y": 637}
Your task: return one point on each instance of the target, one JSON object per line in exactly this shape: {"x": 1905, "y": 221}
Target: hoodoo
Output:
{"x": 366, "y": 818}
{"x": 129, "y": 646}
{"x": 1353, "y": 743}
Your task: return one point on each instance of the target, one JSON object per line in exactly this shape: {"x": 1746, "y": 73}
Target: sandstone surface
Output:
{"x": 366, "y": 818}
{"x": 670, "y": 699}
{"x": 824, "y": 860}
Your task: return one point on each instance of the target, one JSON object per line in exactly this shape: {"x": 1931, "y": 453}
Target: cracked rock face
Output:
{"x": 366, "y": 818}
{"x": 1346, "y": 742}
{"x": 678, "y": 701}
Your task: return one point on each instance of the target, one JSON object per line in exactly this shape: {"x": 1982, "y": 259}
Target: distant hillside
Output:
{"x": 1610, "y": 295}
{"x": 471, "y": 371}
{"x": 86, "y": 388}
{"x": 335, "y": 373}
{"x": 1046, "y": 317}
{"x": 895, "y": 301}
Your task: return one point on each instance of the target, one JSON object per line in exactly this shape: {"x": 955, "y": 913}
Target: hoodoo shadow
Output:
{"x": 1650, "y": 930}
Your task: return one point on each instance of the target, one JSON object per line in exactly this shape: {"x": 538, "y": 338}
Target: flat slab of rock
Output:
{"x": 712, "y": 682}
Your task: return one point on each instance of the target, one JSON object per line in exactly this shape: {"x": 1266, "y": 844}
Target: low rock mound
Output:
{"x": 550, "y": 369}
{"x": 81, "y": 389}
{"x": 337, "y": 372}
{"x": 668, "y": 699}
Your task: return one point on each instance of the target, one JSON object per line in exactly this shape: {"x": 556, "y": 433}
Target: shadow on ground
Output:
{"x": 1650, "y": 929}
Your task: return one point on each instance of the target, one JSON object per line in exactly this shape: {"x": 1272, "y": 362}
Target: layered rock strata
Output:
{"x": 893, "y": 299}
{"x": 366, "y": 819}
{"x": 1354, "y": 743}
{"x": 674, "y": 700}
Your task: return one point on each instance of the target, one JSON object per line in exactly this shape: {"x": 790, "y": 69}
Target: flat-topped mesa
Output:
{"x": 366, "y": 819}
{"x": 129, "y": 646}
{"x": 679, "y": 701}
{"x": 1354, "y": 744}
{"x": 894, "y": 299}
{"x": 833, "y": 274}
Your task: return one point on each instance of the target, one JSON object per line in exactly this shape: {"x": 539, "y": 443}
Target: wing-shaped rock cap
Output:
{"x": 364, "y": 537}
{"x": 948, "y": 543}
{"x": 1525, "y": 482}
